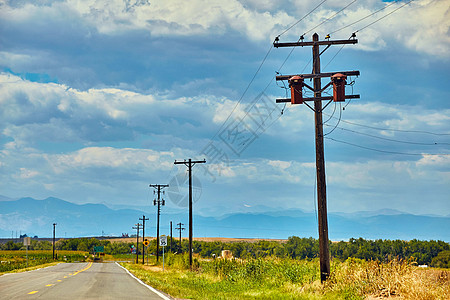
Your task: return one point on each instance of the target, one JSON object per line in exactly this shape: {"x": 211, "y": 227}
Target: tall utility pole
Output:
{"x": 170, "y": 236}
{"x": 189, "y": 164}
{"x": 143, "y": 236}
{"x": 137, "y": 227}
{"x": 179, "y": 228}
{"x": 296, "y": 83}
{"x": 159, "y": 202}
{"x": 54, "y": 226}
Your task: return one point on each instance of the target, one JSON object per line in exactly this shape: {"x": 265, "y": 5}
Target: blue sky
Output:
{"x": 99, "y": 98}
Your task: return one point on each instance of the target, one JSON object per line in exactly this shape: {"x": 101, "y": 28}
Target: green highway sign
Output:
{"x": 99, "y": 249}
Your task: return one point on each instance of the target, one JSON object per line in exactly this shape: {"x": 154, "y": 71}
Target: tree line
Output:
{"x": 433, "y": 253}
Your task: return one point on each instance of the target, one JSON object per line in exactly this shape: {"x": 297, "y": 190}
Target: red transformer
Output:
{"x": 296, "y": 85}
{"x": 339, "y": 82}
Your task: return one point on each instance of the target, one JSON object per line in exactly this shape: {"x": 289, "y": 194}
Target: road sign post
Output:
{"x": 27, "y": 242}
{"x": 146, "y": 242}
{"x": 163, "y": 243}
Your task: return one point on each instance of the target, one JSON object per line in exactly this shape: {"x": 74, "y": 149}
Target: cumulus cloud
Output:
{"x": 257, "y": 22}
{"x": 53, "y": 112}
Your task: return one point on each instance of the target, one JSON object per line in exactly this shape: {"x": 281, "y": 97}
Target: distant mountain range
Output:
{"x": 35, "y": 217}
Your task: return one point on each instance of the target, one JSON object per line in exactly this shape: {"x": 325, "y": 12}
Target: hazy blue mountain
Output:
{"x": 35, "y": 217}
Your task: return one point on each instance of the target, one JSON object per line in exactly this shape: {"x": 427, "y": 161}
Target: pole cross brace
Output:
{"x": 283, "y": 100}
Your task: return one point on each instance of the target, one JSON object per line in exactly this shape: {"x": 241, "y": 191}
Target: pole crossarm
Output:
{"x": 158, "y": 185}
{"x": 190, "y": 162}
{"x": 282, "y": 100}
{"x": 313, "y": 43}
{"x": 320, "y": 75}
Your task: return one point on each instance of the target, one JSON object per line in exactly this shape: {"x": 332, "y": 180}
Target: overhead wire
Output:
{"x": 245, "y": 91}
{"x": 370, "y": 24}
{"x": 392, "y": 129}
{"x": 328, "y": 19}
{"x": 260, "y": 66}
{"x": 368, "y": 16}
{"x": 383, "y": 151}
{"x": 301, "y": 19}
{"x": 389, "y": 139}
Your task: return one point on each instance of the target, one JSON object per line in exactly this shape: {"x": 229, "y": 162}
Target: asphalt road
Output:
{"x": 76, "y": 281}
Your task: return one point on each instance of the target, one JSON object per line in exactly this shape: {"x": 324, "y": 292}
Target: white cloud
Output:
{"x": 48, "y": 111}
{"x": 261, "y": 22}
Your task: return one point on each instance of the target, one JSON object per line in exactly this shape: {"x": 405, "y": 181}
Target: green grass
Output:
{"x": 274, "y": 278}
{"x": 236, "y": 279}
{"x": 11, "y": 260}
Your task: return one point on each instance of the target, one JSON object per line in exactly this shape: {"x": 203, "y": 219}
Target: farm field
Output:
{"x": 199, "y": 239}
{"x": 274, "y": 278}
{"x": 13, "y": 260}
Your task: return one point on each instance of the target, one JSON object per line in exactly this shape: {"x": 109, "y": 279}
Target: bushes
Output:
{"x": 442, "y": 260}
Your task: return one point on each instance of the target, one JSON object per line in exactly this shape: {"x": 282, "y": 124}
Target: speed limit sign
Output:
{"x": 163, "y": 240}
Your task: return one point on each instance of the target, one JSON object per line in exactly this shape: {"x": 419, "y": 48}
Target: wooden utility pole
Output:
{"x": 138, "y": 226}
{"x": 54, "y": 226}
{"x": 143, "y": 236}
{"x": 179, "y": 228}
{"x": 320, "y": 157}
{"x": 159, "y": 202}
{"x": 189, "y": 164}
{"x": 170, "y": 236}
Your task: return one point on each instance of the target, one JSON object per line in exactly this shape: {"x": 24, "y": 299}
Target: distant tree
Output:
{"x": 442, "y": 260}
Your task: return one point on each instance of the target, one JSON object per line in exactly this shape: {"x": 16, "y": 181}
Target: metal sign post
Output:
{"x": 146, "y": 242}
{"x": 27, "y": 242}
{"x": 163, "y": 243}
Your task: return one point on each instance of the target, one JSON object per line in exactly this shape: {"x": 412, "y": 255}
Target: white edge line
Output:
{"x": 144, "y": 284}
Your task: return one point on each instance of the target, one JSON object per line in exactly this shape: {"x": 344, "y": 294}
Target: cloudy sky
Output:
{"x": 99, "y": 98}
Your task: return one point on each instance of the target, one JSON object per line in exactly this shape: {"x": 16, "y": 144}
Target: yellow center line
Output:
{"x": 87, "y": 267}
{"x": 51, "y": 284}
{"x": 59, "y": 280}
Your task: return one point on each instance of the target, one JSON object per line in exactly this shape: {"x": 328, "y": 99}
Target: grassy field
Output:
{"x": 11, "y": 260}
{"x": 274, "y": 278}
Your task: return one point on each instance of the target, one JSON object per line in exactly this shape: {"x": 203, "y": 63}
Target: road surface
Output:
{"x": 76, "y": 281}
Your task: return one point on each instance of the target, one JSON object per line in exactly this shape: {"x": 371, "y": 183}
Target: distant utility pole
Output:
{"x": 296, "y": 83}
{"x": 179, "y": 228}
{"x": 170, "y": 236}
{"x": 189, "y": 164}
{"x": 159, "y": 202}
{"x": 137, "y": 227}
{"x": 54, "y": 226}
{"x": 143, "y": 236}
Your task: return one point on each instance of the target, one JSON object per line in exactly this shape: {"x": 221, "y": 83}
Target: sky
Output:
{"x": 99, "y": 98}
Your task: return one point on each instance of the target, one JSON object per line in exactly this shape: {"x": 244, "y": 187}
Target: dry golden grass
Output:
{"x": 396, "y": 279}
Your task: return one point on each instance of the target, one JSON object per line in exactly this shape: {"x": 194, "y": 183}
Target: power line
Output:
{"x": 301, "y": 19}
{"x": 391, "y": 129}
{"x": 326, "y": 20}
{"x": 390, "y": 140}
{"x": 383, "y": 151}
{"x": 260, "y": 66}
{"x": 368, "y": 16}
{"x": 384, "y": 16}
{"x": 245, "y": 91}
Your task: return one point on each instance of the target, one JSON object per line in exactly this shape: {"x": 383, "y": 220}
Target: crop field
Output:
{"x": 17, "y": 259}
{"x": 275, "y": 278}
